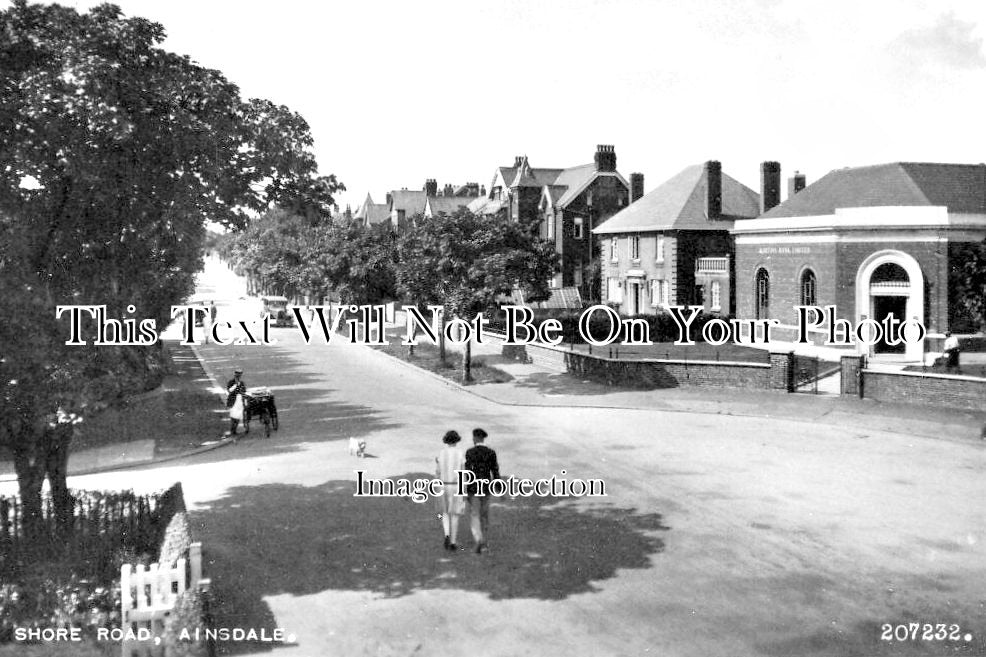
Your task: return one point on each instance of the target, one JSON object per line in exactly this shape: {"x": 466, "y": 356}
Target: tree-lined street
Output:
{"x": 719, "y": 535}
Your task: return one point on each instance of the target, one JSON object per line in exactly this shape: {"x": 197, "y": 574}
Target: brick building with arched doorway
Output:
{"x": 873, "y": 241}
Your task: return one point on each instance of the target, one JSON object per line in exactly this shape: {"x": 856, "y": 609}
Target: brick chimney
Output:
{"x": 431, "y": 187}
{"x": 518, "y": 160}
{"x": 605, "y": 158}
{"x": 713, "y": 196}
{"x": 795, "y": 184}
{"x": 770, "y": 185}
{"x": 636, "y": 186}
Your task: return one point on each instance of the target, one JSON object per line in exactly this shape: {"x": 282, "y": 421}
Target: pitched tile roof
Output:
{"x": 540, "y": 176}
{"x": 411, "y": 201}
{"x": 679, "y": 204}
{"x": 561, "y": 298}
{"x": 447, "y": 204}
{"x": 486, "y": 206}
{"x": 959, "y": 187}
{"x": 371, "y": 213}
{"x": 575, "y": 179}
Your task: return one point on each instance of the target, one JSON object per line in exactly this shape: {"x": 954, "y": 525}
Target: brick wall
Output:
{"x": 928, "y": 389}
{"x": 785, "y": 264}
{"x": 835, "y": 266}
{"x": 667, "y": 373}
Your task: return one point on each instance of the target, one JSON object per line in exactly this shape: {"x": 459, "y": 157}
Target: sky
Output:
{"x": 398, "y": 92}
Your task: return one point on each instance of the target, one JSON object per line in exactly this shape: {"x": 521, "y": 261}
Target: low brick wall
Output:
{"x": 655, "y": 373}
{"x": 951, "y": 391}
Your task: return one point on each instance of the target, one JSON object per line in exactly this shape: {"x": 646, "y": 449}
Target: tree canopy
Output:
{"x": 114, "y": 153}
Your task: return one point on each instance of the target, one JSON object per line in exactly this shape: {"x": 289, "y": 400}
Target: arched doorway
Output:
{"x": 890, "y": 283}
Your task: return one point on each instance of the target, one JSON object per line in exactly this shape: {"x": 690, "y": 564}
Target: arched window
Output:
{"x": 808, "y": 295}
{"x": 761, "y": 293}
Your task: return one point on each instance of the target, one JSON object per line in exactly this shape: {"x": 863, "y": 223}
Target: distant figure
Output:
{"x": 951, "y": 351}
{"x": 212, "y": 312}
{"x": 235, "y": 389}
{"x": 450, "y": 505}
{"x": 481, "y": 461}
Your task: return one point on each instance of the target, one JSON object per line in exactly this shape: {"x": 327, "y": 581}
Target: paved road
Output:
{"x": 719, "y": 535}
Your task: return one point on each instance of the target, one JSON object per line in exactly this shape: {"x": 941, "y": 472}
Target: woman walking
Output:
{"x": 450, "y": 505}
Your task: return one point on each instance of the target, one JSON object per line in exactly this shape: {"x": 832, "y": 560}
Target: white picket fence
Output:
{"x": 148, "y": 596}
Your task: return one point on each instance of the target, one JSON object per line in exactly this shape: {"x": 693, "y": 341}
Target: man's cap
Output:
{"x": 238, "y": 371}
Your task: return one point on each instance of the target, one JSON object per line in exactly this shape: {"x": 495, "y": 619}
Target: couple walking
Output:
{"x": 481, "y": 461}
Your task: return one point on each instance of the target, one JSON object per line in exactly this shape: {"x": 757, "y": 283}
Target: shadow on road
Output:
{"x": 276, "y": 539}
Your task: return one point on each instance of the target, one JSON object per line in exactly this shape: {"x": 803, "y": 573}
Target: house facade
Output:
{"x": 565, "y": 205}
{"x": 873, "y": 241}
{"x": 404, "y": 205}
{"x": 673, "y": 246}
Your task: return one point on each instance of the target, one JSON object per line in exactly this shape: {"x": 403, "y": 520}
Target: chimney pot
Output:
{"x": 636, "y": 186}
{"x": 795, "y": 183}
{"x": 431, "y": 187}
{"x": 605, "y": 157}
{"x": 770, "y": 185}
{"x": 713, "y": 195}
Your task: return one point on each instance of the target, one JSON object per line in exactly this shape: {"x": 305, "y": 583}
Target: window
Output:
{"x": 716, "y": 296}
{"x": 659, "y": 292}
{"x": 577, "y": 274}
{"x": 634, "y": 247}
{"x": 550, "y": 220}
{"x": 761, "y": 293}
{"x": 614, "y": 292}
{"x": 614, "y": 252}
{"x": 808, "y": 295}
{"x": 659, "y": 248}
{"x": 577, "y": 228}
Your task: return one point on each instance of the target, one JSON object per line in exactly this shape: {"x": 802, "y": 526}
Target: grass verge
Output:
{"x": 426, "y": 356}
{"x": 181, "y": 415}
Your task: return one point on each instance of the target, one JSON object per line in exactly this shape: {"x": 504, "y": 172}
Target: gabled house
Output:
{"x": 564, "y": 204}
{"x": 371, "y": 214}
{"x": 673, "y": 246}
{"x": 404, "y": 204}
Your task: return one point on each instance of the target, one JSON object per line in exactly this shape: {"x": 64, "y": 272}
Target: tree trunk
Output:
{"x": 30, "y": 469}
{"x": 441, "y": 340}
{"x": 56, "y": 466}
{"x": 467, "y": 362}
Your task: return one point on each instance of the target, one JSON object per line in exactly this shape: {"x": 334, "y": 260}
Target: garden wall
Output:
{"x": 948, "y": 390}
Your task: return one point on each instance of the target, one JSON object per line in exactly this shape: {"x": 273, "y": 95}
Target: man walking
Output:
{"x": 481, "y": 461}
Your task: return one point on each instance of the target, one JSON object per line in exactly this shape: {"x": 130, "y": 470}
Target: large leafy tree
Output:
{"x": 354, "y": 262}
{"x": 113, "y": 155}
{"x": 467, "y": 262}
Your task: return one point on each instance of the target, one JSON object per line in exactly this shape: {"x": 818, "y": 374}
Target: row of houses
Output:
{"x": 873, "y": 241}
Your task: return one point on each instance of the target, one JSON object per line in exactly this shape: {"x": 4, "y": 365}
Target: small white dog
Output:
{"x": 357, "y": 447}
